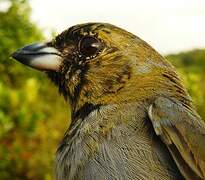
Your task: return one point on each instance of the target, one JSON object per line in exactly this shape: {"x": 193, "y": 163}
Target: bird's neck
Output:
{"x": 100, "y": 122}
{"x": 104, "y": 123}
{"x": 102, "y": 115}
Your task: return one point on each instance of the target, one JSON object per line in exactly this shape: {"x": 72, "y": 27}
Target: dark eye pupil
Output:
{"x": 89, "y": 46}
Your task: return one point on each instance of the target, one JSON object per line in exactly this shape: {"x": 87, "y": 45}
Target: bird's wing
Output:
{"x": 183, "y": 133}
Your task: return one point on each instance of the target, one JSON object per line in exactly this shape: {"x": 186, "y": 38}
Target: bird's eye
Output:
{"x": 90, "y": 46}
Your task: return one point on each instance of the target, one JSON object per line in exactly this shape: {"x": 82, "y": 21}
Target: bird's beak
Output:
{"x": 39, "y": 56}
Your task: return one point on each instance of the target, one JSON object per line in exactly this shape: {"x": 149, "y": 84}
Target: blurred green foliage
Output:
{"x": 191, "y": 66}
{"x": 30, "y": 128}
{"x": 32, "y": 119}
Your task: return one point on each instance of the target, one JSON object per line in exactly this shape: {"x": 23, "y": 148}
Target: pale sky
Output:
{"x": 169, "y": 26}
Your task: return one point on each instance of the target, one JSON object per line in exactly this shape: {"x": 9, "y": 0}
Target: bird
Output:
{"x": 132, "y": 117}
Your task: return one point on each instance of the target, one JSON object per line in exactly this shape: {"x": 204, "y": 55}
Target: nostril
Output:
{"x": 49, "y": 44}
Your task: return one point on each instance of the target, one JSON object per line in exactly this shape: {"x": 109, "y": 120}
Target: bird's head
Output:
{"x": 98, "y": 64}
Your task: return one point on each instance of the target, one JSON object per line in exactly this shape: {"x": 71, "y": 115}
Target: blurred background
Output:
{"x": 33, "y": 117}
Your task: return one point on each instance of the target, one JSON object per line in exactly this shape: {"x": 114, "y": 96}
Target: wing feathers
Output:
{"x": 184, "y": 135}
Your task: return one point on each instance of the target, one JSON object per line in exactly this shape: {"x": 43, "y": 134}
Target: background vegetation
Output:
{"x": 30, "y": 128}
{"x": 32, "y": 120}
